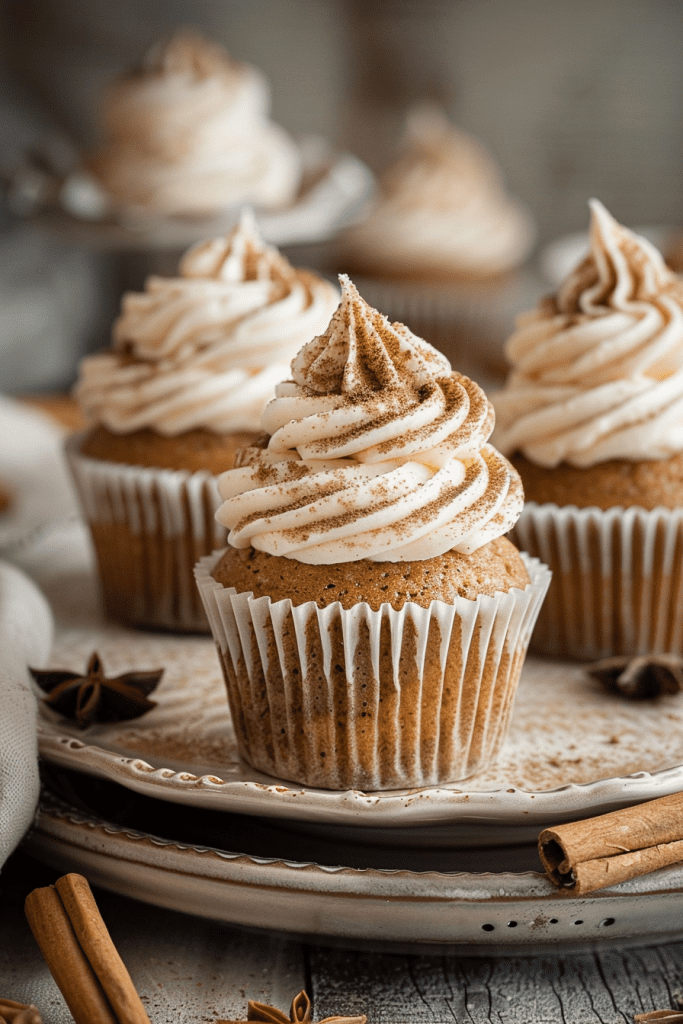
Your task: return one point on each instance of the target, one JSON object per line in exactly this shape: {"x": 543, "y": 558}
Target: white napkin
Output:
{"x": 25, "y": 639}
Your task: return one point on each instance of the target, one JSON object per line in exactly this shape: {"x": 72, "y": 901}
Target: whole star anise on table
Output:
{"x": 300, "y": 1013}
{"x": 93, "y": 697}
{"x": 642, "y": 677}
{"x": 19, "y": 1013}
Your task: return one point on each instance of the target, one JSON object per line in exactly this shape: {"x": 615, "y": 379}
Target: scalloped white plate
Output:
{"x": 473, "y": 913}
{"x": 572, "y": 751}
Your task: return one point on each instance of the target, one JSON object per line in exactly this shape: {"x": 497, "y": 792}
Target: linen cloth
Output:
{"x": 25, "y": 639}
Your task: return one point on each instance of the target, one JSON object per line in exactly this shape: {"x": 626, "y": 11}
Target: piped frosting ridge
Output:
{"x": 376, "y": 450}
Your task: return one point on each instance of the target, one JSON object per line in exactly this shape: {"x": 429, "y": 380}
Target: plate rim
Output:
{"x": 465, "y": 910}
{"x": 277, "y": 798}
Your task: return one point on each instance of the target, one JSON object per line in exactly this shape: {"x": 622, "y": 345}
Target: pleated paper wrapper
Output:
{"x": 617, "y": 584}
{"x": 374, "y": 700}
{"x": 149, "y": 527}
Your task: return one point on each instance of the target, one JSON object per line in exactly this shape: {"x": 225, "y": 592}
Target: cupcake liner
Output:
{"x": 617, "y": 583}
{"x": 149, "y": 527}
{"x": 355, "y": 698}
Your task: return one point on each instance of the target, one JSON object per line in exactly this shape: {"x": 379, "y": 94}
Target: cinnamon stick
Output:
{"x": 81, "y": 956}
{"x": 68, "y": 963}
{"x": 19, "y": 1013}
{"x": 663, "y": 1016}
{"x": 587, "y": 855}
{"x": 96, "y": 943}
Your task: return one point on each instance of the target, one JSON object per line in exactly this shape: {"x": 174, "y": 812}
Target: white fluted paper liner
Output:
{"x": 361, "y": 699}
{"x": 617, "y": 583}
{"x": 149, "y": 527}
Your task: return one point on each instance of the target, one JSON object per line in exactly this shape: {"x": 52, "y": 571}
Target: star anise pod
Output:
{"x": 642, "y": 677}
{"x": 95, "y": 698}
{"x": 299, "y": 1013}
{"x": 18, "y": 1013}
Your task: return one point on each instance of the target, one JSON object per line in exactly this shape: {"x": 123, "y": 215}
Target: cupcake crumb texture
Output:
{"x": 193, "y": 451}
{"x": 495, "y": 567}
{"x": 648, "y": 484}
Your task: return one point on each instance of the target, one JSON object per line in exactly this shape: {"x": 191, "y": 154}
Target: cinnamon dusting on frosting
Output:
{"x": 598, "y": 369}
{"x": 186, "y": 52}
{"x": 206, "y": 348}
{"x": 377, "y": 450}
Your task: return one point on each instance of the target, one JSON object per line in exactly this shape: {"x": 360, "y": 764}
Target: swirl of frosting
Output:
{"x": 206, "y": 348}
{"x": 189, "y": 133}
{"x": 597, "y": 370}
{"x": 377, "y": 450}
{"x": 442, "y": 208}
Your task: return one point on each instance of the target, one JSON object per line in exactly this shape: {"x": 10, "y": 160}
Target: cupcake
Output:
{"x": 194, "y": 361}
{"x": 371, "y": 618}
{"x": 439, "y": 245}
{"x": 592, "y": 417}
{"x": 442, "y": 212}
{"x": 188, "y": 135}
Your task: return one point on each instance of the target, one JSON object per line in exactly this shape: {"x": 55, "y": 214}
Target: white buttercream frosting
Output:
{"x": 442, "y": 208}
{"x": 377, "y": 450}
{"x": 597, "y": 370}
{"x": 189, "y": 133}
{"x": 206, "y": 348}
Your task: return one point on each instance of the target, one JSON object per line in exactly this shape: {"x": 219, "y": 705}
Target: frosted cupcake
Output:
{"x": 189, "y": 134}
{"x": 442, "y": 212}
{"x": 370, "y": 617}
{"x": 592, "y": 416}
{"x": 194, "y": 361}
{"x": 440, "y": 243}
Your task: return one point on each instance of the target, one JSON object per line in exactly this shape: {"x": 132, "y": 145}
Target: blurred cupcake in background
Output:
{"x": 189, "y": 134}
{"x": 370, "y": 616}
{"x": 439, "y": 245}
{"x": 592, "y": 417}
{"x": 442, "y": 212}
{"x": 194, "y": 361}
{"x": 187, "y": 142}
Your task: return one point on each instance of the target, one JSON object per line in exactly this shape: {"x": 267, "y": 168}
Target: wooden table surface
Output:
{"x": 191, "y": 971}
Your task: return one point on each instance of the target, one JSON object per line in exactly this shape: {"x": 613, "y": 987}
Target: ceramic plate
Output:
{"x": 572, "y": 751}
{"x": 467, "y": 912}
{"x": 336, "y": 188}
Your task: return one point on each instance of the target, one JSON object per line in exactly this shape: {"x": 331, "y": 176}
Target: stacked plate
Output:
{"x": 162, "y": 809}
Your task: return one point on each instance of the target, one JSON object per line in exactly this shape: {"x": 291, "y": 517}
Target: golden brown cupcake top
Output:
{"x": 497, "y": 567}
